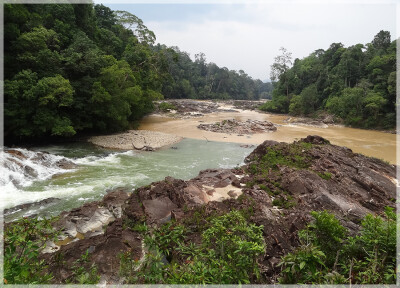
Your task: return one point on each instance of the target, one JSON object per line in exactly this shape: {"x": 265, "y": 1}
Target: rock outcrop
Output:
{"x": 188, "y": 108}
{"x": 239, "y": 127}
{"x": 142, "y": 140}
{"x": 31, "y": 205}
{"x": 278, "y": 187}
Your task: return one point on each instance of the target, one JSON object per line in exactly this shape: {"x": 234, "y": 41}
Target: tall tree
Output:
{"x": 281, "y": 66}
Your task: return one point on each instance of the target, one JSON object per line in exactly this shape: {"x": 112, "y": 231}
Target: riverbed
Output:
{"x": 368, "y": 142}
{"x": 100, "y": 170}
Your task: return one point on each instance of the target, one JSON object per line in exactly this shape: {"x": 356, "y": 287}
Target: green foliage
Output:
{"x": 325, "y": 175}
{"x": 38, "y": 108}
{"x": 273, "y": 158}
{"x": 327, "y": 233}
{"x": 168, "y": 236}
{"x": 23, "y": 241}
{"x": 202, "y": 80}
{"x": 306, "y": 102}
{"x": 356, "y": 83}
{"x": 140, "y": 227}
{"x": 227, "y": 254}
{"x": 284, "y": 201}
{"x": 296, "y": 105}
{"x": 279, "y": 104}
{"x": 83, "y": 68}
{"x": 327, "y": 256}
{"x": 115, "y": 96}
{"x": 304, "y": 265}
{"x": 165, "y": 106}
{"x": 81, "y": 275}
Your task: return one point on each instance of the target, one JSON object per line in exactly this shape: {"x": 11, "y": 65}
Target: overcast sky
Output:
{"x": 247, "y": 35}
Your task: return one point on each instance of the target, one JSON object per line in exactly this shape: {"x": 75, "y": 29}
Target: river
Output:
{"x": 100, "y": 170}
{"x": 368, "y": 142}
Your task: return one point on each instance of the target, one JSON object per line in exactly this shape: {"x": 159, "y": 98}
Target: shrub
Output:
{"x": 165, "y": 106}
{"x": 23, "y": 241}
{"x": 227, "y": 255}
{"x": 326, "y": 256}
{"x": 304, "y": 265}
{"x": 325, "y": 232}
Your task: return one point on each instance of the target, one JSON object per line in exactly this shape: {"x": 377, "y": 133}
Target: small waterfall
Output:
{"x": 77, "y": 173}
{"x": 20, "y": 167}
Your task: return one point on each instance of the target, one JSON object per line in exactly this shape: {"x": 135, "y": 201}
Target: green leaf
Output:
{"x": 302, "y": 264}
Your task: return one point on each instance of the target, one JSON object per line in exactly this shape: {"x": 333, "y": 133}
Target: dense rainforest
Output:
{"x": 84, "y": 68}
{"x": 357, "y": 84}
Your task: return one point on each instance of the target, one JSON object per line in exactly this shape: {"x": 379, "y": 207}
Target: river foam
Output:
{"x": 100, "y": 170}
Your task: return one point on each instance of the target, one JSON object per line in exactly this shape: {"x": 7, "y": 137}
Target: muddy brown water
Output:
{"x": 371, "y": 143}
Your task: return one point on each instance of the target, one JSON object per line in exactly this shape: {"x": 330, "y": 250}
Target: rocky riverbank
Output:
{"x": 278, "y": 188}
{"x": 135, "y": 140}
{"x": 185, "y": 108}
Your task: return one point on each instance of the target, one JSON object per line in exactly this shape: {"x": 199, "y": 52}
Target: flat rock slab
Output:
{"x": 135, "y": 140}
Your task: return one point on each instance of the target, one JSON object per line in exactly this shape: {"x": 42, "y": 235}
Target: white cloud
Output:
{"x": 249, "y": 36}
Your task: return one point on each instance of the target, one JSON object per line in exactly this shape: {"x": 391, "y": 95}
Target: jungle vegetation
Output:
{"x": 82, "y": 68}
{"x": 357, "y": 83}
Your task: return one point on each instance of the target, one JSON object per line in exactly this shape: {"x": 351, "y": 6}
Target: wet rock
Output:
{"x": 222, "y": 183}
{"x": 16, "y": 153}
{"x": 100, "y": 217}
{"x": 196, "y": 192}
{"x": 246, "y": 145}
{"x": 32, "y": 205}
{"x": 189, "y": 108}
{"x": 66, "y": 164}
{"x": 210, "y": 192}
{"x": 114, "y": 201}
{"x": 29, "y": 171}
{"x": 260, "y": 150}
{"x": 90, "y": 219}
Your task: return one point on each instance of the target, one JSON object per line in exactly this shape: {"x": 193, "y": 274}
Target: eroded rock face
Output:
{"x": 318, "y": 176}
{"x": 239, "y": 127}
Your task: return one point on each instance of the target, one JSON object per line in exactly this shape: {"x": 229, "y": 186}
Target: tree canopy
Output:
{"x": 356, "y": 83}
{"x": 83, "y": 68}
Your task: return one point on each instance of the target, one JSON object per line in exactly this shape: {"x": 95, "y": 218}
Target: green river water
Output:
{"x": 101, "y": 170}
